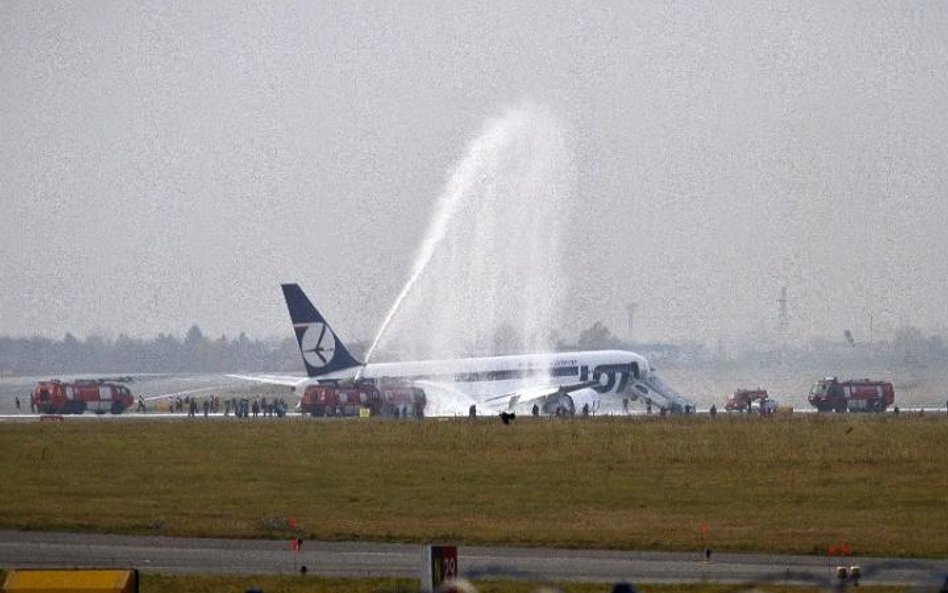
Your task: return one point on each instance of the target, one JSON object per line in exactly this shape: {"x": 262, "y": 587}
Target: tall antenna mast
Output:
{"x": 784, "y": 316}
{"x": 630, "y": 310}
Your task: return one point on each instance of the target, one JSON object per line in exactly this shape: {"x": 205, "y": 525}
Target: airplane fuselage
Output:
{"x": 612, "y": 371}
{"x": 552, "y": 381}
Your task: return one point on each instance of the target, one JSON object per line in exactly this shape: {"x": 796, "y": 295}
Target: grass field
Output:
{"x": 183, "y": 584}
{"x": 158, "y": 583}
{"x": 787, "y": 484}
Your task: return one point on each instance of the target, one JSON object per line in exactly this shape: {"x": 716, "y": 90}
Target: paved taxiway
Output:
{"x": 224, "y": 556}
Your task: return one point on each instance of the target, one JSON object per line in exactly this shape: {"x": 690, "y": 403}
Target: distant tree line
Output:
{"x": 164, "y": 354}
{"x": 198, "y": 353}
{"x": 908, "y": 347}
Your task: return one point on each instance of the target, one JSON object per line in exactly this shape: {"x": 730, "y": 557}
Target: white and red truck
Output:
{"x": 75, "y": 397}
{"x": 349, "y": 399}
{"x": 859, "y": 395}
{"x": 742, "y": 400}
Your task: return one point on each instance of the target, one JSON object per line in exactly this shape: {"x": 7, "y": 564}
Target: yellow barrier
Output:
{"x": 71, "y": 581}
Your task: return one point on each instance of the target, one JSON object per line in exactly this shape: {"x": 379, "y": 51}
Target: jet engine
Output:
{"x": 572, "y": 403}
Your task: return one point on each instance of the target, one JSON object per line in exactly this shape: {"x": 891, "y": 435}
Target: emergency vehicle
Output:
{"x": 349, "y": 399}
{"x": 742, "y": 400}
{"x": 75, "y": 397}
{"x": 862, "y": 395}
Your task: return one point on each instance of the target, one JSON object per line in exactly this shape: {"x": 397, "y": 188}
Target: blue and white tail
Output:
{"x": 322, "y": 351}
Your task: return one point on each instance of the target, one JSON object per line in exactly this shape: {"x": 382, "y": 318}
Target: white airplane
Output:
{"x": 560, "y": 382}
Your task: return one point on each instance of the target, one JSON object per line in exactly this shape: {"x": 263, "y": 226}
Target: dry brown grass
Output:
{"x": 791, "y": 484}
{"x": 161, "y": 583}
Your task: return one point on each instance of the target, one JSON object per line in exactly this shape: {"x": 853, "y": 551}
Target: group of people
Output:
{"x": 177, "y": 405}
{"x": 244, "y": 407}
{"x": 241, "y": 407}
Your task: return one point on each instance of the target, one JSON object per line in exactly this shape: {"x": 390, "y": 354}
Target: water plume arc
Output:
{"x": 488, "y": 277}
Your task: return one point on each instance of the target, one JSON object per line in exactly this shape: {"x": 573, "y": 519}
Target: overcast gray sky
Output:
{"x": 163, "y": 164}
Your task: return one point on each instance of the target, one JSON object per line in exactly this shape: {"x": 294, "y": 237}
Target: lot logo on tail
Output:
{"x": 318, "y": 345}
{"x": 322, "y": 351}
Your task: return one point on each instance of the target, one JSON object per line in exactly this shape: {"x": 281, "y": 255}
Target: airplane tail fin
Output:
{"x": 322, "y": 351}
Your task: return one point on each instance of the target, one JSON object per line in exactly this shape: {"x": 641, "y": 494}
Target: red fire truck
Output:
{"x": 75, "y": 397}
{"x": 403, "y": 401}
{"x": 331, "y": 399}
{"x": 862, "y": 395}
{"x": 742, "y": 401}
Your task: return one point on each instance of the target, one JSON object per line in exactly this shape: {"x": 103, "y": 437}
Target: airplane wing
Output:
{"x": 171, "y": 386}
{"x": 287, "y": 380}
{"x": 534, "y": 393}
{"x": 180, "y": 393}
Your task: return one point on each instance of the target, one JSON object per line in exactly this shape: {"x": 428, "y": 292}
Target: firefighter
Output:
{"x": 714, "y": 410}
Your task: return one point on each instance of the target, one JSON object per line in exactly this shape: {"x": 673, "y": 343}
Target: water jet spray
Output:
{"x": 493, "y": 243}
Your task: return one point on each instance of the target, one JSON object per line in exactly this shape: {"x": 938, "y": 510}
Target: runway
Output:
{"x": 350, "y": 559}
